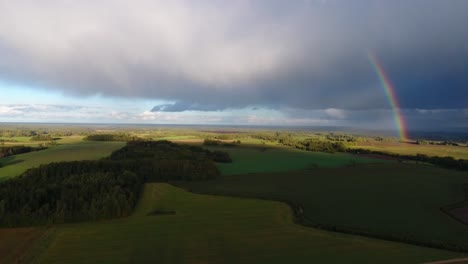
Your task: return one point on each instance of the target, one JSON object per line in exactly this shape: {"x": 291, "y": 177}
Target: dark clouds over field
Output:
{"x": 218, "y": 55}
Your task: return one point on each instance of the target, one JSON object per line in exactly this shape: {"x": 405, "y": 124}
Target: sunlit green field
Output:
{"x": 210, "y": 229}
{"x": 16, "y": 139}
{"x": 259, "y": 158}
{"x": 26, "y": 141}
{"x": 176, "y": 138}
{"x": 458, "y": 152}
{"x": 394, "y": 200}
{"x": 81, "y": 150}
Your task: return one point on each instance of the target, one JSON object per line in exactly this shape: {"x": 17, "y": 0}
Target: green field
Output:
{"x": 379, "y": 197}
{"x": 176, "y": 138}
{"x": 458, "y": 152}
{"x": 16, "y": 139}
{"x": 259, "y": 158}
{"x": 211, "y": 229}
{"x": 400, "y": 200}
{"x": 83, "y": 150}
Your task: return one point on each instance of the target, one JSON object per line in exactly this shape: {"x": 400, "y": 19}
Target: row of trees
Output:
{"x": 439, "y": 143}
{"x": 107, "y": 188}
{"x": 15, "y": 150}
{"x": 216, "y": 142}
{"x": 444, "y": 162}
{"x": 316, "y": 145}
{"x": 341, "y": 137}
{"x": 42, "y": 137}
{"x": 111, "y": 137}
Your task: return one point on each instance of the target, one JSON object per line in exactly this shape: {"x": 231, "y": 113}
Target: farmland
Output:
{"x": 459, "y": 152}
{"x": 273, "y": 203}
{"x": 259, "y": 158}
{"x": 211, "y": 229}
{"x": 81, "y": 150}
{"x": 206, "y": 132}
{"x": 388, "y": 200}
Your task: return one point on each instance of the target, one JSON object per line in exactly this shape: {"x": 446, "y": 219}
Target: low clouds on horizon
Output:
{"x": 382, "y": 119}
{"x": 218, "y": 55}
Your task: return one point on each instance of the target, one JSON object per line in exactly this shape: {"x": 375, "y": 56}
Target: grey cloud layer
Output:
{"x": 213, "y": 55}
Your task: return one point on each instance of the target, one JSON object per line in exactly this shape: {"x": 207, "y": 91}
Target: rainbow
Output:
{"x": 391, "y": 95}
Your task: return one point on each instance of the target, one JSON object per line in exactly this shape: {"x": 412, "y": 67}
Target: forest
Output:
{"x": 15, "y": 150}
{"x": 111, "y": 137}
{"x": 102, "y": 189}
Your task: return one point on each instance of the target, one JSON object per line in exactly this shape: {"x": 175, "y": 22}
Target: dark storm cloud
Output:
{"x": 214, "y": 55}
{"x": 181, "y": 107}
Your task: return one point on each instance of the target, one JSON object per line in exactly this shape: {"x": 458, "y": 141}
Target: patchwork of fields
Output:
{"x": 211, "y": 229}
{"x": 373, "y": 196}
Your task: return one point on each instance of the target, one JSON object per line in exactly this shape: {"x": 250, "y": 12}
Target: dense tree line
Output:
{"x": 316, "y": 145}
{"x": 331, "y": 143}
{"x": 444, "y": 162}
{"x": 164, "y": 150}
{"x": 111, "y": 137}
{"x": 341, "y": 137}
{"x": 45, "y": 199}
{"x": 439, "y": 143}
{"x": 42, "y": 137}
{"x": 16, "y": 150}
{"x": 107, "y": 188}
{"x": 216, "y": 142}
{"x": 11, "y": 131}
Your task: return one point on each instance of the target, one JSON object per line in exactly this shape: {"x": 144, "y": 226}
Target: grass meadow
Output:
{"x": 81, "y": 150}
{"x": 213, "y": 229}
{"x": 259, "y": 158}
{"x": 394, "y": 200}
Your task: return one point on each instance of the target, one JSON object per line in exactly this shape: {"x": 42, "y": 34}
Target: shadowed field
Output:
{"x": 211, "y": 229}
{"x": 393, "y": 200}
{"x": 16, "y": 242}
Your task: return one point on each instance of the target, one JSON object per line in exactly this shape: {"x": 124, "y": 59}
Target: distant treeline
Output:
{"x": 439, "y": 143}
{"x": 107, "y": 188}
{"x": 338, "y": 143}
{"x": 42, "y": 137}
{"x": 216, "y": 142}
{"x": 111, "y": 137}
{"x": 316, "y": 145}
{"x": 444, "y": 162}
{"x": 15, "y": 150}
{"x": 333, "y": 143}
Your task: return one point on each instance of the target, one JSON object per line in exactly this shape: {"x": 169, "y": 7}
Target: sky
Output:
{"x": 263, "y": 62}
